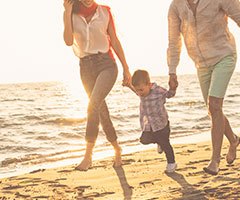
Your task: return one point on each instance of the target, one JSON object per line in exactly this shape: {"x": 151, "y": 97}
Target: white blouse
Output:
{"x": 92, "y": 37}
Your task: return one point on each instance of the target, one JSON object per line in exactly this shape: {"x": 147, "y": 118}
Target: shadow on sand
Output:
{"x": 188, "y": 191}
{"x": 127, "y": 189}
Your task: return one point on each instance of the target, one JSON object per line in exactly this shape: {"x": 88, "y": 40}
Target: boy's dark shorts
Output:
{"x": 149, "y": 137}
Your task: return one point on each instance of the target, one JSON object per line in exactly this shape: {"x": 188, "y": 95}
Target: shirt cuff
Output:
{"x": 172, "y": 70}
{"x": 171, "y": 93}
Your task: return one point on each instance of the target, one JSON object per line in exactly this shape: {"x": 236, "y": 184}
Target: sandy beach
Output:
{"x": 141, "y": 177}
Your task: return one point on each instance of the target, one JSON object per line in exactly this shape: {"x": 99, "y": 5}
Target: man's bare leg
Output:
{"x": 233, "y": 140}
{"x": 217, "y": 132}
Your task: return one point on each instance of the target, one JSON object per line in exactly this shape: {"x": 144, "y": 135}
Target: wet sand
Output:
{"x": 142, "y": 176}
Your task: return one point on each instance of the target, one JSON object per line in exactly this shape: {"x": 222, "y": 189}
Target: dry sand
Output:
{"x": 141, "y": 177}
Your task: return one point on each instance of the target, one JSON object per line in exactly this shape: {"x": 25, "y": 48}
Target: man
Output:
{"x": 204, "y": 27}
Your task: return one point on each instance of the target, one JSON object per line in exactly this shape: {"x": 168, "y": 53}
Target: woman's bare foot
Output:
{"x": 212, "y": 168}
{"x": 232, "y": 151}
{"x": 84, "y": 165}
{"x": 118, "y": 158}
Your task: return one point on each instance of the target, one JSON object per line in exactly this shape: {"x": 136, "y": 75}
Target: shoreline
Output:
{"x": 141, "y": 177}
{"x": 99, "y": 154}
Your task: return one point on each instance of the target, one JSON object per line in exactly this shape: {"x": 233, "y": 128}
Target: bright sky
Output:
{"x": 32, "y": 46}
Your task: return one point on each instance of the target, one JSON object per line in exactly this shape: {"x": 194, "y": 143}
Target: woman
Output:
{"x": 89, "y": 28}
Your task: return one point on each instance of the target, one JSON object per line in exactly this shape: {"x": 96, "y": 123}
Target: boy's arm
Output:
{"x": 130, "y": 86}
{"x": 141, "y": 115}
{"x": 170, "y": 93}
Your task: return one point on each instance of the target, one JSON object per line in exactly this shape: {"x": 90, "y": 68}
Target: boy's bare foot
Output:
{"x": 212, "y": 168}
{"x": 84, "y": 165}
{"x": 118, "y": 158}
{"x": 232, "y": 151}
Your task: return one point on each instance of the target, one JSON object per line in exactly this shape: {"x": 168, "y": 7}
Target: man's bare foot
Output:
{"x": 118, "y": 158}
{"x": 212, "y": 168}
{"x": 232, "y": 151}
{"x": 84, "y": 165}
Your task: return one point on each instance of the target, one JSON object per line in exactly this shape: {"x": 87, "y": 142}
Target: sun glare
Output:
{"x": 78, "y": 98}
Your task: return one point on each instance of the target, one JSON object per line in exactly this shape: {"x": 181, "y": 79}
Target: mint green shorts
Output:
{"x": 214, "y": 80}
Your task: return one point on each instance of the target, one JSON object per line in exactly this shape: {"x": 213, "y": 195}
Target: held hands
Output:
{"x": 127, "y": 78}
{"x": 127, "y": 81}
{"x": 171, "y": 93}
{"x": 173, "y": 82}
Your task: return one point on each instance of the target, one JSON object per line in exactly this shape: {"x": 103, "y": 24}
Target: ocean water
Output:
{"x": 43, "y": 124}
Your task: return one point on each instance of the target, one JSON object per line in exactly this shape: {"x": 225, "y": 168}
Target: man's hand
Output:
{"x": 173, "y": 83}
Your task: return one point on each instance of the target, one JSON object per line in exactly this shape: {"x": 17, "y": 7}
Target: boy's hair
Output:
{"x": 140, "y": 77}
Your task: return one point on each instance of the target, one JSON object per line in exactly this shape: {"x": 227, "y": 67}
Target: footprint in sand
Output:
{"x": 203, "y": 182}
{"x": 22, "y": 178}
{"x": 190, "y": 151}
{"x": 186, "y": 168}
{"x": 99, "y": 166}
{"x": 128, "y": 161}
{"x": 202, "y": 146}
{"x": 195, "y": 173}
{"x": 65, "y": 171}
{"x": 38, "y": 170}
{"x": 18, "y": 195}
{"x": 197, "y": 161}
{"x": 12, "y": 187}
{"x": 224, "y": 169}
{"x": 61, "y": 179}
{"x": 41, "y": 197}
{"x": 83, "y": 187}
{"x": 146, "y": 183}
{"x": 180, "y": 147}
{"x": 58, "y": 185}
{"x": 96, "y": 194}
{"x": 31, "y": 181}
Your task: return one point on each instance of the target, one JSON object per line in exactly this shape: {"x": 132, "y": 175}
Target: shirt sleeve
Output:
{"x": 232, "y": 9}
{"x": 170, "y": 93}
{"x": 174, "y": 39}
{"x": 141, "y": 115}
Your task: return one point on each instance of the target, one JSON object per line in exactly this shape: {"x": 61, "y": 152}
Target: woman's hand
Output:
{"x": 127, "y": 78}
{"x": 68, "y": 5}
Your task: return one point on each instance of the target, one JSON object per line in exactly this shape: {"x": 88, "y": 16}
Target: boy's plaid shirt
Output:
{"x": 153, "y": 114}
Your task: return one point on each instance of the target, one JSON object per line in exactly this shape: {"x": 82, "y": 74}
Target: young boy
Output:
{"x": 153, "y": 115}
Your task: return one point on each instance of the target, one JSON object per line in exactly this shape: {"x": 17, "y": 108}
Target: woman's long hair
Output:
{"x": 76, "y": 6}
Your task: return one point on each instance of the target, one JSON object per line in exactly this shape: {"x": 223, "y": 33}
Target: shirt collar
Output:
{"x": 154, "y": 85}
{"x": 194, "y": 1}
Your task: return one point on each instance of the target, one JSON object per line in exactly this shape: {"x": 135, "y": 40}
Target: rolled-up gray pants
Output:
{"x": 98, "y": 74}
